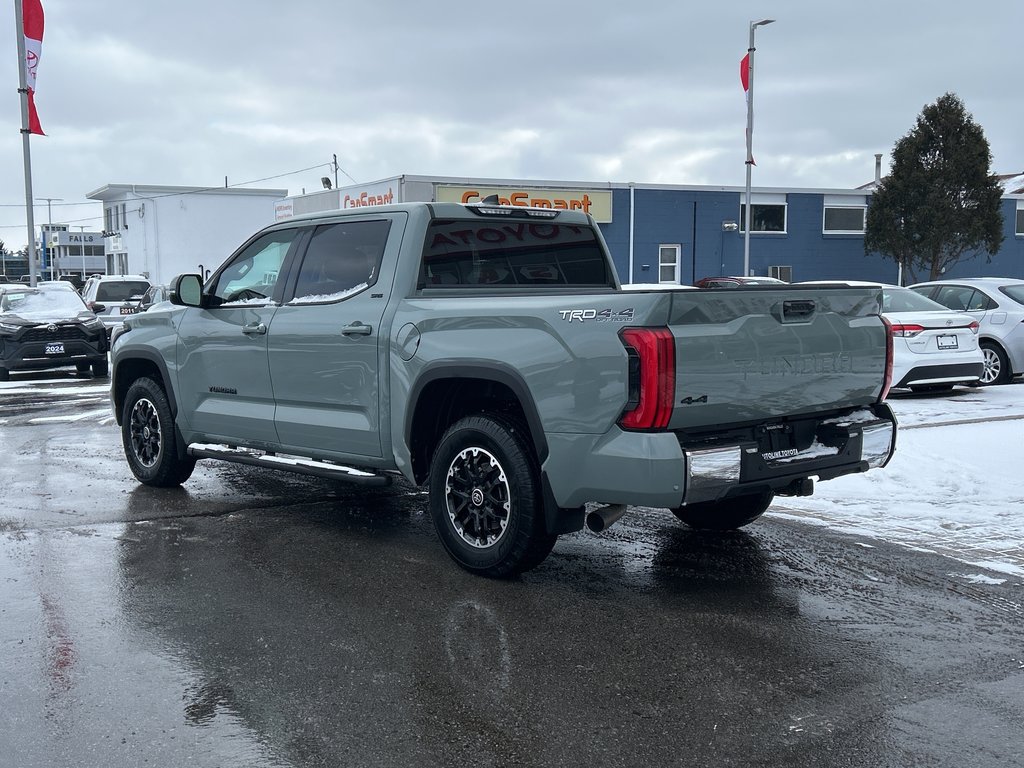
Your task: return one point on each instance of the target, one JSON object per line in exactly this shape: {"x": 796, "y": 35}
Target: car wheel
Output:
{"x": 727, "y": 514}
{"x": 5, "y": 375}
{"x": 82, "y": 367}
{"x": 485, "y": 498}
{"x": 997, "y": 365}
{"x": 147, "y": 433}
{"x": 101, "y": 369}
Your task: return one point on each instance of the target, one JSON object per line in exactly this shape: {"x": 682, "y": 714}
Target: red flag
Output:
{"x": 32, "y": 11}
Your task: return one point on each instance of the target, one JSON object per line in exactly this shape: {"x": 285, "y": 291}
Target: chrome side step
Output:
{"x": 296, "y": 464}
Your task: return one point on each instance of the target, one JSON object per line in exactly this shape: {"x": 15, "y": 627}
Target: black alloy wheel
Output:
{"x": 485, "y": 498}
{"x": 147, "y": 433}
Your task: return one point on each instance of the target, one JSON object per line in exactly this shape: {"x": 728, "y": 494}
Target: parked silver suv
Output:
{"x": 997, "y": 303}
{"x": 114, "y": 297}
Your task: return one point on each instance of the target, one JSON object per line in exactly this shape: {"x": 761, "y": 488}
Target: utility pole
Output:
{"x": 335, "y": 166}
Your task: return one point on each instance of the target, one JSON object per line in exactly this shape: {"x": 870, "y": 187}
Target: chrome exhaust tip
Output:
{"x": 604, "y": 517}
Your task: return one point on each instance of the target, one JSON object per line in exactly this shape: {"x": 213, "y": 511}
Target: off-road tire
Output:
{"x": 147, "y": 433}
{"x": 101, "y": 369}
{"x": 485, "y": 497}
{"x": 725, "y": 515}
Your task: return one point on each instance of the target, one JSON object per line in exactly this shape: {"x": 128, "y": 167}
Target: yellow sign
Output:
{"x": 596, "y": 202}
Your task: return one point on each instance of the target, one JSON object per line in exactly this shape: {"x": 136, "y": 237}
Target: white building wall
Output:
{"x": 166, "y": 232}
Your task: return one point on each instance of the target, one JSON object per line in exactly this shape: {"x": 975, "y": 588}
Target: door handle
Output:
{"x": 357, "y": 329}
{"x": 255, "y": 328}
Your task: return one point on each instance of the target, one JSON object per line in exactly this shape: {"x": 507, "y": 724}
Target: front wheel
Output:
{"x": 485, "y": 498}
{"x": 727, "y": 514}
{"x": 147, "y": 433}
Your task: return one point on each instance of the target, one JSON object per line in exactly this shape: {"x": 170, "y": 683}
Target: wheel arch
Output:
{"x": 446, "y": 392}
{"x": 139, "y": 365}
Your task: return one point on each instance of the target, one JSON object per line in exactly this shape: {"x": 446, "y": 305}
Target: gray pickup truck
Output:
{"x": 489, "y": 353}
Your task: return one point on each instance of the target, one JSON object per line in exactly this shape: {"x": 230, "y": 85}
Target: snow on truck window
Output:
{"x": 322, "y": 298}
{"x": 476, "y": 253}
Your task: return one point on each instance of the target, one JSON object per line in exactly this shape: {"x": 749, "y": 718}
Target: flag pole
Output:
{"x": 750, "y": 140}
{"x": 23, "y": 92}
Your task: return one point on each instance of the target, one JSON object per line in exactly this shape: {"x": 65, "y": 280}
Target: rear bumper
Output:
{"x": 659, "y": 470}
{"x": 958, "y": 373}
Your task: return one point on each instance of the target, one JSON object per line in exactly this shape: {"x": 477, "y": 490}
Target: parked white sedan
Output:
{"x": 934, "y": 348}
{"x": 997, "y": 303}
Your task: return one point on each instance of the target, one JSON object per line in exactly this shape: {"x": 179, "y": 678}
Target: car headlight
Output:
{"x": 8, "y": 328}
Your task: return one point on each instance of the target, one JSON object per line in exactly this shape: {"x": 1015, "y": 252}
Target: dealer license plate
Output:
{"x": 947, "y": 342}
{"x": 129, "y": 310}
{"x": 54, "y": 349}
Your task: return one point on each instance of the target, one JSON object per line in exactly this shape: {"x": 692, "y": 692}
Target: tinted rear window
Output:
{"x": 512, "y": 253}
{"x": 120, "y": 290}
{"x": 1015, "y": 292}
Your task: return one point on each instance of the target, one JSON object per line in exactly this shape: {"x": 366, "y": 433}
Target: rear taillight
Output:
{"x": 652, "y": 378}
{"x": 974, "y": 326}
{"x": 906, "y": 330}
{"x": 889, "y": 352}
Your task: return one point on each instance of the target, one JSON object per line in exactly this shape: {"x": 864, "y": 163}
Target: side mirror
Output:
{"x": 186, "y": 291}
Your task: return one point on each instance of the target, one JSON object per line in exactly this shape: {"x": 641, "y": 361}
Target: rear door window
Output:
{"x": 342, "y": 259}
{"x": 512, "y": 254}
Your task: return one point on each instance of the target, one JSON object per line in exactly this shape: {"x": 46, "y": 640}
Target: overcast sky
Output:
{"x": 188, "y": 92}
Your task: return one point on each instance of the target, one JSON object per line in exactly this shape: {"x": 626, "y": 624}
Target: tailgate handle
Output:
{"x": 797, "y": 310}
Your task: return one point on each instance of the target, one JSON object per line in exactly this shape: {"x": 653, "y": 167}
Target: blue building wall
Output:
{"x": 694, "y": 220}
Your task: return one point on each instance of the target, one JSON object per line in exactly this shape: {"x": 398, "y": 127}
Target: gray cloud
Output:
{"x": 190, "y": 92}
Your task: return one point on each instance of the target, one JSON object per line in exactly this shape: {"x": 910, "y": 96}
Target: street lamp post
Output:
{"x": 49, "y": 228}
{"x": 750, "y": 139}
{"x": 82, "y": 243}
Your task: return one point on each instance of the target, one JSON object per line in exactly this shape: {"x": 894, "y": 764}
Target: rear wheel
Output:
{"x": 82, "y": 367}
{"x": 147, "y": 433}
{"x": 727, "y": 514}
{"x": 485, "y": 498}
{"x": 101, "y": 369}
{"x": 997, "y": 365}
{"x": 5, "y": 375}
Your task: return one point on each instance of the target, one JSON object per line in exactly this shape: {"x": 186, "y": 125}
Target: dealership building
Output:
{"x": 661, "y": 233}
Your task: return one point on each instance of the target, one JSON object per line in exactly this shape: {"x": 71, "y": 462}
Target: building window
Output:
{"x": 844, "y": 220}
{"x": 108, "y": 219}
{"x": 764, "y": 217}
{"x": 124, "y": 216}
{"x": 668, "y": 263}
{"x": 1020, "y": 220}
{"x": 784, "y": 273}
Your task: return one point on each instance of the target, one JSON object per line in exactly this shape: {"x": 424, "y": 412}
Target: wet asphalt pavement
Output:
{"x": 256, "y": 618}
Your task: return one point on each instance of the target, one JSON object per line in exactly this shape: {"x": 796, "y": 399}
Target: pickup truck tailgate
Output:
{"x": 760, "y": 353}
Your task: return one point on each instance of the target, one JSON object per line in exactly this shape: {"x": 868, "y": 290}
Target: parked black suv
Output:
{"x": 49, "y": 327}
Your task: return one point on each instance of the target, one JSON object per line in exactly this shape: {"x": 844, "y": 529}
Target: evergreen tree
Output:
{"x": 940, "y": 202}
